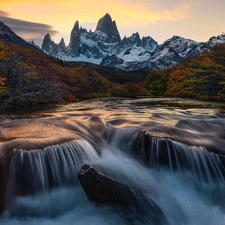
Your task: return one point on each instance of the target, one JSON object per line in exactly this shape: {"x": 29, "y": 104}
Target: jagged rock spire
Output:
{"x": 107, "y": 26}
{"x": 75, "y": 39}
{"x": 62, "y": 44}
{"x": 46, "y": 43}
{"x": 76, "y": 26}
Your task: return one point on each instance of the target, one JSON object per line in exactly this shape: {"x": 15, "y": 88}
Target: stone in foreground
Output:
{"x": 104, "y": 190}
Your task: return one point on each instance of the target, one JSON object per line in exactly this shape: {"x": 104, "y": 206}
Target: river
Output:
{"x": 168, "y": 154}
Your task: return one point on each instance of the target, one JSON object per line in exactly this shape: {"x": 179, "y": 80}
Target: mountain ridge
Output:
{"x": 104, "y": 46}
{"x": 30, "y": 76}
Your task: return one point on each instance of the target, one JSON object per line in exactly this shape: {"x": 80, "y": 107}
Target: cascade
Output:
{"x": 41, "y": 170}
{"x": 156, "y": 151}
{"x": 84, "y": 167}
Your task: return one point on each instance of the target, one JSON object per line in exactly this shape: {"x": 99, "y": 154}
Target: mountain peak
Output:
{"x": 76, "y": 26}
{"x": 9, "y": 36}
{"x": 107, "y": 26}
{"x": 75, "y": 38}
{"x": 62, "y": 44}
{"x": 107, "y": 16}
{"x": 217, "y": 39}
{"x": 46, "y": 43}
{"x": 47, "y": 36}
{"x": 62, "y": 41}
{"x": 5, "y": 28}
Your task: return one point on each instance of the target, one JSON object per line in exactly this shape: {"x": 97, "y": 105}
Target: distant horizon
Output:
{"x": 196, "y": 20}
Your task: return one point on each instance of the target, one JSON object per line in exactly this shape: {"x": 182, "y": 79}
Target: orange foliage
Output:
{"x": 3, "y": 88}
{"x": 202, "y": 76}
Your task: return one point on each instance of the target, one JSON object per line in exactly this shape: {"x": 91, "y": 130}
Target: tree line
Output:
{"x": 29, "y": 76}
{"x": 201, "y": 77}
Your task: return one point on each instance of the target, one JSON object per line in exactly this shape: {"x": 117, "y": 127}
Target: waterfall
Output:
{"x": 41, "y": 170}
{"x": 156, "y": 152}
{"x": 155, "y": 177}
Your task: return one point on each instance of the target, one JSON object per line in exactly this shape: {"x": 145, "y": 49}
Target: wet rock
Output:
{"x": 155, "y": 151}
{"x": 105, "y": 190}
{"x": 4, "y": 175}
{"x": 161, "y": 151}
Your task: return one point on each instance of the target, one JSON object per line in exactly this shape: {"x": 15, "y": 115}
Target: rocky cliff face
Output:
{"x": 104, "y": 46}
{"x": 62, "y": 45}
{"x": 47, "y": 43}
{"x": 75, "y": 39}
{"x": 50, "y": 47}
{"x": 172, "y": 51}
{"x": 108, "y": 27}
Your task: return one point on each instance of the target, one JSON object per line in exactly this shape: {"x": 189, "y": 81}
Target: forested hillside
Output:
{"x": 202, "y": 77}
{"x": 28, "y": 76}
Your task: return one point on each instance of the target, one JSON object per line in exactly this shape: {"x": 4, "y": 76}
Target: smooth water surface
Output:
{"x": 182, "y": 172}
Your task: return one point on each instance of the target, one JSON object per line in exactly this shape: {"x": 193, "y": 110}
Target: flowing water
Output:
{"x": 170, "y": 152}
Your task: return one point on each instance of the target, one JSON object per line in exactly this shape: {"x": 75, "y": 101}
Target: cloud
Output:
{"x": 26, "y": 29}
{"x": 137, "y": 13}
{"x": 150, "y": 17}
{"x": 154, "y": 12}
{"x": 4, "y": 14}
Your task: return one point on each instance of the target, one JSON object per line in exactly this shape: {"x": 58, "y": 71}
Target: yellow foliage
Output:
{"x": 5, "y": 55}
{"x": 3, "y": 88}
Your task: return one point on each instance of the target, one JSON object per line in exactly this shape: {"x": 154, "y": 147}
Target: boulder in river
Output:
{"x": 104, "y": 190}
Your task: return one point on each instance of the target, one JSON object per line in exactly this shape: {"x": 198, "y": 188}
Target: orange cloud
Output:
{"x": 62, "y": 14}
{"x": 130, "y": 15}
{"x": 88, "y": 10}
{"x": 26, "y": 29}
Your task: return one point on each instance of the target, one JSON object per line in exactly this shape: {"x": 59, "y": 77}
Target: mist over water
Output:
{"x": 182, "y": 173}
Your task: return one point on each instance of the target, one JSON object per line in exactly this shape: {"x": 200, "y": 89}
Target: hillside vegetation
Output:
{"x": 29, "y": 76}
{"x": 202, "y": 77}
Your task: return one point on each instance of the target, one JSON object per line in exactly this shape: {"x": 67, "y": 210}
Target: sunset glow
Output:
{"x": 198, "y": 20}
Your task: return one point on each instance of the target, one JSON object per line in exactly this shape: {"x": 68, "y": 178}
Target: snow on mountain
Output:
{"x": 172, "y": 51}
{"x": 183, "y": 47}
{"x": 215, "y": 40}
{"x": 135, "y": 53}
{"x": 80, "y": 58}
{"x": 105, "y": 47}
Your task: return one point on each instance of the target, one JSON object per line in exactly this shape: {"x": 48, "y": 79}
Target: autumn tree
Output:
{"x": 156, "y": 82}
{"x": 202, "y": 76}
{"x": 22, "y": 81}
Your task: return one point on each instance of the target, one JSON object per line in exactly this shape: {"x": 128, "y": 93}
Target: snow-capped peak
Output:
{"x": 104, "y": 46}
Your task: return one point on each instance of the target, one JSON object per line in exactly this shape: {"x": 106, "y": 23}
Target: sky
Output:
{"x": 161, "y": 19}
